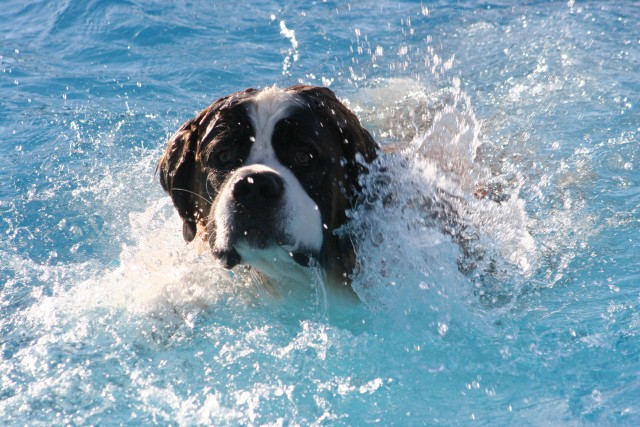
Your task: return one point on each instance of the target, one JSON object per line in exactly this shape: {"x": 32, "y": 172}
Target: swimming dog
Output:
{"x": 266, "y": 177}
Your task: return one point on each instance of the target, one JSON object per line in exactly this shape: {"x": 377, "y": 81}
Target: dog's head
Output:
{"x": 270, "y": 173}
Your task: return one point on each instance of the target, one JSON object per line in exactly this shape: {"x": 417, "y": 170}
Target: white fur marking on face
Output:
{"x": 301, "y": 220}
{"x": 269, "y": 107}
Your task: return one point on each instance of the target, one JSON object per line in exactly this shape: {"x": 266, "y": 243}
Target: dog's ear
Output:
{"x": 179, "y": 174}
{"x": 181, "y": 171}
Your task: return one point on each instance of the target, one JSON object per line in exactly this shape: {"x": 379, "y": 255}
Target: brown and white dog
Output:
{"x": 267, "y": 176}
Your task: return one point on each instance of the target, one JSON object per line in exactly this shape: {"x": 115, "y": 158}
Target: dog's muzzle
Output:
{"x": 255, "y": 214}
{"x": 257, "y": 205}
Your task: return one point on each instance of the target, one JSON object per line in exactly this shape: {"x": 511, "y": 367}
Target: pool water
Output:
{"x": 108, "y": 318}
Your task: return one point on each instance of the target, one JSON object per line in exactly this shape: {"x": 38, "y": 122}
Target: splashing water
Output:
{"x": 444, "y": 212}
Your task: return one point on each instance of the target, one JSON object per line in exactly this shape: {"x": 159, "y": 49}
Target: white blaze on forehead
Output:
{"x": 267, "y": 109}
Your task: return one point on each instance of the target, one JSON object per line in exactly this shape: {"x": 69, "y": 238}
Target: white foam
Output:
{"x": 406, "y": 254}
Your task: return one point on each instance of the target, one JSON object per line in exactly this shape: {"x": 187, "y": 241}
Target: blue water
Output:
{"x": 107, "y": 318}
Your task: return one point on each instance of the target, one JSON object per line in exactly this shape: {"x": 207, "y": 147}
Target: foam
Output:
{"x": 409, "y": 254}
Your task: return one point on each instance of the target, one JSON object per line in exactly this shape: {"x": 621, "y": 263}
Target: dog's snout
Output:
{"x": 258, "y": 187}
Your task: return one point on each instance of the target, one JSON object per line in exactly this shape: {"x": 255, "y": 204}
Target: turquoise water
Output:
{"x": 107, "y": 318}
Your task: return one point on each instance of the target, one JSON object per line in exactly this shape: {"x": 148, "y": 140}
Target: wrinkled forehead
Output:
{"x": 265, "y": 108}
{"x": 255, "y": 116}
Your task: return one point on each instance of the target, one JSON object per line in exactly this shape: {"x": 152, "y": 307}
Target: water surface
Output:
{"x": 106, "y": 317}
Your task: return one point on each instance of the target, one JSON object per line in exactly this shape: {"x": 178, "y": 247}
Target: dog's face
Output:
{"x": 266, "y": 175}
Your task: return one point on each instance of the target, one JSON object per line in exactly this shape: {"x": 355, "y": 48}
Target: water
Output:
{"x": 106, "y": 317}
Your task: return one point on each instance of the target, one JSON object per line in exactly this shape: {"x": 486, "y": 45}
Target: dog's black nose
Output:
{"x": 258, "y": 187}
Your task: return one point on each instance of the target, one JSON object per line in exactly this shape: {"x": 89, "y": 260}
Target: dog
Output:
{"x": 266, "y": 177}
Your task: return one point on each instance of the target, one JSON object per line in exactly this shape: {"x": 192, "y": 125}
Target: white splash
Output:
{"x": 446, "y": 230}
{"x": 292, "y": 52}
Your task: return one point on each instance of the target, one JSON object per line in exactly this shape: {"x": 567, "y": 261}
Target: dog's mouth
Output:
{"x": 258, "y": 240}
{"x": 229, "y": 258}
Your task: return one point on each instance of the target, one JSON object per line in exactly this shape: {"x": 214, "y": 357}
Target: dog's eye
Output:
{"x": 224, "y": 157}
{"x": 302, "y": 158}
